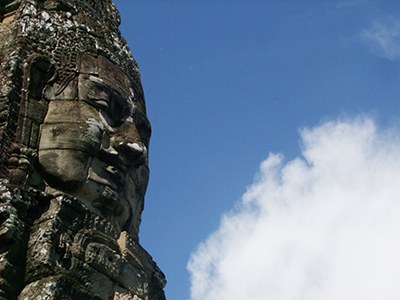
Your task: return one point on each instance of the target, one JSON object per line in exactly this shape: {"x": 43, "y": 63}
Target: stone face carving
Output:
{"x": 93, "y": 142}
{"x": 74, "y": 140}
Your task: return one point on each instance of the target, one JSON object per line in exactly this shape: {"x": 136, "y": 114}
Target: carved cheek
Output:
{"x": 64, "y": 169}
{"x": 65, "y": 151}
{"x": 85, "y": 137}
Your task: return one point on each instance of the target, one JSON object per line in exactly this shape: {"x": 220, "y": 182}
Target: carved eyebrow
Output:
{"x": 104, "y": 85}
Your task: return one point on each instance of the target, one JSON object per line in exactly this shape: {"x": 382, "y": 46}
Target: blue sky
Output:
{"x": 229, "y": 82}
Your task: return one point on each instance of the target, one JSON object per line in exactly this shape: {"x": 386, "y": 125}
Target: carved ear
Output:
{"x": 41, "y": 71}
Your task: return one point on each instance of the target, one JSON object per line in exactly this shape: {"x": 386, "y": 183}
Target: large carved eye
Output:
{"x": 119, "y": 109}
{"x": 115, "y": 103}
{"x": 98, "y": 97}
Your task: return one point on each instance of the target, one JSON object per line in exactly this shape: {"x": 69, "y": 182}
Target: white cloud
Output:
{"x": 383, "y": 38}
{"x": 322, "y": 226}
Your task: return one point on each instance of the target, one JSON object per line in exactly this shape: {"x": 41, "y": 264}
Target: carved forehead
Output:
{"x": 100, "y": 79}
{"x": 107, "y": 71}
{"x": 96, "y": 78}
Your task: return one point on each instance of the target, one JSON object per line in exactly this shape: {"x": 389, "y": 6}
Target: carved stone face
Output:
{"x": 94, "y": 139}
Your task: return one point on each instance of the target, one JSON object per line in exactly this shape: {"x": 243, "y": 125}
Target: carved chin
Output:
{"x": 106, "y": 200}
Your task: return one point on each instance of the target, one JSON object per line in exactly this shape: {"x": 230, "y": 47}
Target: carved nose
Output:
{"x": 132, "y": 152}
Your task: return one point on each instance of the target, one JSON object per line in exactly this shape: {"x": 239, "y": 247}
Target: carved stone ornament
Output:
{"x": 74, "y": 139}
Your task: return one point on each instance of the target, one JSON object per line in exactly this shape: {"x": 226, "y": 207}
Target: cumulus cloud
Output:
{"x": 383, "y": 38}
{"x": 325, "y": 225}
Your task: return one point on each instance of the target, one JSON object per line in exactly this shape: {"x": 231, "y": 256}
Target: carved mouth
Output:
{"x": 109, "y": 176}
{"x": 116, "y": 175}
{"x": 111, "y": 180}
